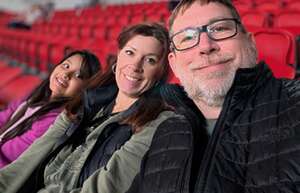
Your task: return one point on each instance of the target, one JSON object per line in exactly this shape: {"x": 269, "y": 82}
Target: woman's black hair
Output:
{"x": 40, "y": 96}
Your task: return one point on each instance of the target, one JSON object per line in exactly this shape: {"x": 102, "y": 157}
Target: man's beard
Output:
{"x": 214, "y": 95}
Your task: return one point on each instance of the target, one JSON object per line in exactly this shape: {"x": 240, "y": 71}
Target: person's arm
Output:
{"x": 136, "y": 184}
{"x": 14, "y": 147}
{"x": 14, "y": 175}
{"x": 123, "y": 166}
{"x": 8, "y": 111}
{"x": 175, "y": 134}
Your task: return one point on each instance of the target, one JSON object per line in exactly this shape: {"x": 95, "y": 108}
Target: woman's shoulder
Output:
{"x": 166, "y": 116}
{"x": 166, "y": 122}
{"x": 174, "y": 121}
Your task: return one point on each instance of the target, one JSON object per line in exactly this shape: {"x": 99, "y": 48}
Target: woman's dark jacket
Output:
{"x": 255, "y": 146}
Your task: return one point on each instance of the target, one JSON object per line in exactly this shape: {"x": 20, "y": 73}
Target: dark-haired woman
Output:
{"x": 22, "y": 122}
{"x": 102, "y": 152}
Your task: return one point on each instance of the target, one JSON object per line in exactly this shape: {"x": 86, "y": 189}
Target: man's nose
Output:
{"x": 207, "y": 45}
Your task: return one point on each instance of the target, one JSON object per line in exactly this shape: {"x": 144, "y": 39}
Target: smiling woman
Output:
{"x": 22, "y": 122}
{"x": 138, "y": 67}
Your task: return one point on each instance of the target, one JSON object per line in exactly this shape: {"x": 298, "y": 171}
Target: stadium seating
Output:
{"x": 96, "y": 29}
{"x": 288, "y": 18}
{"x": 256, "y": 18}
{"x": 294, "y": 4}
{"x": 18, "y": 88}
{"x": 277, "y": 48}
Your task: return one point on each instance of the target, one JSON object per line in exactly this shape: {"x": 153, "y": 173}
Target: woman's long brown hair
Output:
{"x": 150, "y": 102}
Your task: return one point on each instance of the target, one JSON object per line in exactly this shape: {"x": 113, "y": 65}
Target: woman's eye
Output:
{"x": 151, "y": 60}
{"x": 78, "y": 75}
{"x": 128, "y": 52}
{"x": 65, "y": 65}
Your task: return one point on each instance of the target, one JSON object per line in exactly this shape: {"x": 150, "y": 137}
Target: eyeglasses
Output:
{"x": 216, "y": 30}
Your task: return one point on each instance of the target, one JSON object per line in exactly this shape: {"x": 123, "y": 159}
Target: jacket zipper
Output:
{"x": 187, "y": 165}
{"x": 210, "y": 151}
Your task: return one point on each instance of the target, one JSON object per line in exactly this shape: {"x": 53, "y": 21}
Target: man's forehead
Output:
{"x": 198, "y": 15}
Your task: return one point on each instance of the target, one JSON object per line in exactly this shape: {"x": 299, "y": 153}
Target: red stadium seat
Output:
{"x": 8, "y": 74}
{"x": 86, "y": 31}
{"x": 172, "y": 78}
{"x": 256, "y": 19}
{"x": 277, "y": 48}
{"x": 287, "y": 18}
{"x": 243, "y": 6}
{"x": 137, "y": 19}
{"x": 100, "y": 32}
{"x": 294, "y": 4}
{"x": 18, "y": 88}
{"x": 270, "y": 6}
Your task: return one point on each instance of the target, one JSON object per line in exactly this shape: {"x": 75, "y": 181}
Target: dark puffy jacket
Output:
{"x": 255, "y": 146}
{"x": 172, "y": 162}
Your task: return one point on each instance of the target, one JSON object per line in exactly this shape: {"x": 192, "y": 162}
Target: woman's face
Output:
{"x": 139, "y": 65}
{"x": 65, "y": 79}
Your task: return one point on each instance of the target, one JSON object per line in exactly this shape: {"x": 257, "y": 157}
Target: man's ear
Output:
{"x": 251, "y": 38}
{"x": 172, "y": 62}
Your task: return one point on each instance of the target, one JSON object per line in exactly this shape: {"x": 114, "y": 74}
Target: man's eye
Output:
{"x": 187, "y": 38}
{"x": 220, "y": 29}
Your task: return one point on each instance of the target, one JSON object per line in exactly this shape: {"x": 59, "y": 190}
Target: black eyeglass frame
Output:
{"x": 203, "y": 28}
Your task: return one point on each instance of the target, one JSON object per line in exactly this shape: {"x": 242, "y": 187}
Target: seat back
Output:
{"x": 277, "y": 48}
{"x": 256, "y": 18}
{"x": 269, "y": 6}
{"x": 287, "y": 19}
{"x": 295, "y": 4}
{"x": 172, "y": 78}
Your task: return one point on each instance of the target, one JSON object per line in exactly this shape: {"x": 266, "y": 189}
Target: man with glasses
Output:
{"x": 252, "y": 119}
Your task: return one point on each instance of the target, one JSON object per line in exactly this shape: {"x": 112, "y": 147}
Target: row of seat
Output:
{"x": 288, "y": 18}
{"x": 48, "y": 41}
{"x": 15, "y": 83}
{"x": 41, "y": 50}
{"x": 90, "y": 15}
{"x": 266, "y": 5}
{"x": 45, "y": 45}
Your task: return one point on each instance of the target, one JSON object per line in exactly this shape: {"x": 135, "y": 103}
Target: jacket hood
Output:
{"x": 247, "y": 78}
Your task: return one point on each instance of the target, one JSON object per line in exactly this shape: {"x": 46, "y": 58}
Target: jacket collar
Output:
{"x": 96, "y": 98}
{"x": 247, "y": 80}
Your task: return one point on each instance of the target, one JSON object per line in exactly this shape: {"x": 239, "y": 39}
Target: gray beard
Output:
{"x": 213, "y": 97}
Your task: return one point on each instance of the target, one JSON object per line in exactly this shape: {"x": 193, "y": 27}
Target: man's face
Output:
{"x": 207, "y": 70}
